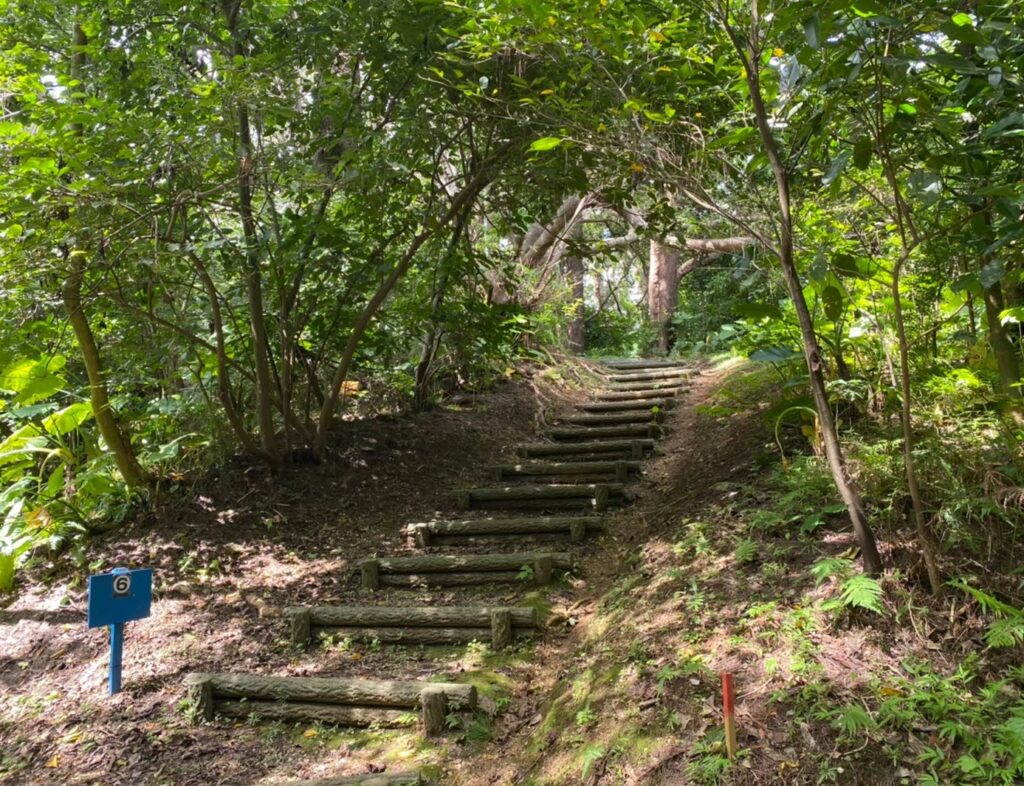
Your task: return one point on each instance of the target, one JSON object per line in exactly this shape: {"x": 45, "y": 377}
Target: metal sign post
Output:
{"x": 114, "y": 599}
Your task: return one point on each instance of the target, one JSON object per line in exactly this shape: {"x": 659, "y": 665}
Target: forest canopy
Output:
{"x": 224, "y": 226}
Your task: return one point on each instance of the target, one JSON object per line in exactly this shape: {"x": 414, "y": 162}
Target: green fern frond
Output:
{"x": 591, "y": 755}
{"x": 824, "y": 569}
{"x": 863, "y": 592}
{"x": 746, "y": 551}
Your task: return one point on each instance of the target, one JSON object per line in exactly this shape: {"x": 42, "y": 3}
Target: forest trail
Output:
{"x": 338, "y": 641}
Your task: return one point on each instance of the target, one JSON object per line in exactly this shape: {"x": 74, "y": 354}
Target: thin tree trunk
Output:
{"x": 253, "y": 273}
{"x": 812, "y": 353}
{"x": 575, "y": 272}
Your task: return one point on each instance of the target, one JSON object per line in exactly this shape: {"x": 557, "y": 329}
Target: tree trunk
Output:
{"x": 1006, "y": 353}
{"x": 107, "y": 420}
{"x": 750, "y": 59}
{"x": 575, "y": 273}
{"x": 662, "y": 291}
{"x": 253, "y": 273}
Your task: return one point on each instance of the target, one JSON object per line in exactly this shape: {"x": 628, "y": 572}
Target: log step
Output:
{"x": 614, "y": 418}
{"x": 568, "y": 471}
{"x": 643, "y": 363}
{"x": 648, "y": 431}
{"x": 655, "y": 387}
{"x": 462, "y": 570}
{"x": 411, "y": 625}
{"x": 369, "y": 779}
{"x": 652, "y": 375}
{"x": 564, "y": 495}
{"x": 576, "y": 527}
{"x": 640, "y": 405}
{"x": 635, "y": 395}
{"x": 633, "y": 449}
{"x": 334, "y": 700}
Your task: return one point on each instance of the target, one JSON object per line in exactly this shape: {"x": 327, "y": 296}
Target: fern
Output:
{"x": 1007, "y": 629}
{"x": 592, "y": 754}
{"x": 824, "y": 569}
{"x": 863, "y": 592}
{"x": 746, "y": 551}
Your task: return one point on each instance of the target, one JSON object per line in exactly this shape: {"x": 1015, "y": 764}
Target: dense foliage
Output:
{"x": 219, "y": 224}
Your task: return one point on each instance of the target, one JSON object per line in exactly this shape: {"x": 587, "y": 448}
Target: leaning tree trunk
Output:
{"x": 107, "y": 420}
{"x": 750, "y": 59}
{"x": 662, "y": 291}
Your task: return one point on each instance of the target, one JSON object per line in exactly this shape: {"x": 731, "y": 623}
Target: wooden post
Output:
{"x": 729, "y": 714}
{"x": 601, "y": 494}
{"x": 543, "y": 568}
{"x": 371, "y": 574}
{"x": 434, "y": 708}
{"x": 501, "y": 629}
{"x": 636, "y": 450}
{"x": 621, "y": 471}
{"x": 199, "y": 697}
{"x": 497, "y": 473}
{"x": 299, "y": 622}
{"x": 578, "y": 531}
{"x": 463, "y": 499}
{"x": 422, "y": 535}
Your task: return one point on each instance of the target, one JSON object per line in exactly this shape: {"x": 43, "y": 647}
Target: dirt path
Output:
{"x": 230, "y": 555}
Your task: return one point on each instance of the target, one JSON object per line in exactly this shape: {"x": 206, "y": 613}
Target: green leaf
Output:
{"x": 68, "y": 419}
{"x": 774, "y": 354}
{"x": 546, "y": 143}
{"x": 834, "y": 303}
{"x": 863, "y": 592}
{"x": 862, "y": 149}
{"x": 838, "y": 165}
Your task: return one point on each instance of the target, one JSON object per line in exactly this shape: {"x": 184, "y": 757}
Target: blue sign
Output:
{"x": 120, "y": 596}
{"x": 114, "y": 599}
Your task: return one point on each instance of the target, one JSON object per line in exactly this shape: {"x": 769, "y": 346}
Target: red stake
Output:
{"x": 729, "y": 712}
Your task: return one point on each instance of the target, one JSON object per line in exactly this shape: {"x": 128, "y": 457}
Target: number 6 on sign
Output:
{"x": 114, "y": 599}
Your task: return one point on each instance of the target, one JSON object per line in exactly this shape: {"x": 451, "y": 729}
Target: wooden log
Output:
{"x": 333, "y": 714}
{"x": 602, "y": 496}
{"x": 543, "y": 570}
{"x": 578, "y": 531}
{"x": 501, "y": 628}
{"x": 649, "y": 388}
{"x": 449, "y": 563}
{"x": 643, "y": 404}
{"x": 635, "y": 395}
{"x": 370, "y": 574}
{"x": 415, "y": 616}
{"x": 199, "y": 697}
{"x": 541, "y": 449}
{"x": 434, "y": 709}
{"x": 583, "y": 434}
{"x": 541, "y": 525}
{"x": 299, "y": 626}
{"x": 367, "y": 779}
{"x": 560, "y": 495}
{"x": 333, "y": 690}
{"x": 641, "y": 363}
{"x": 614, "y": 418}
{"x": 527, "y": 468}
{"x": 416, "y": 580}
{"x": 651, "y": 374}
{"x": 463, "y": 500}
{"x": 425, "y": 636}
